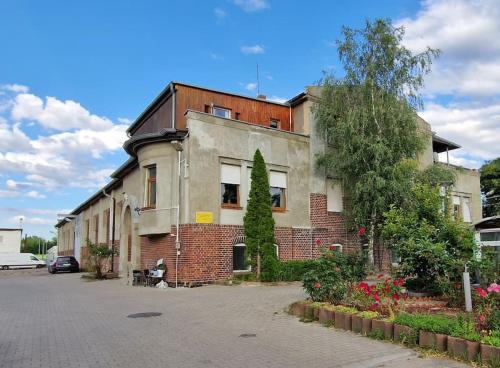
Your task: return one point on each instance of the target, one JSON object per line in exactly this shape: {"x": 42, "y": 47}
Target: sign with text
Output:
{"x": 204, "y": 217}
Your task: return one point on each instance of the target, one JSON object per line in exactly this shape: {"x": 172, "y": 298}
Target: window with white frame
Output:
{"x": 221, "y": 112}
{"x": 456, "y": 208}
{"x": 230, "y": 186}
{"x": 277, "y": 183}
{"x": 466, "y": 213}
{"x": 240, "y": 258}
{"x": 334, "y": 196}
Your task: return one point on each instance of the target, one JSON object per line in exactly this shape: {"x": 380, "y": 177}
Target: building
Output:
{"x": 10, "y": 240}
{"x": 182, "y": 194}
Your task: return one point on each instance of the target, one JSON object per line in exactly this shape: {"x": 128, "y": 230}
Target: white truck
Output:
{"x": 19, "y": 260}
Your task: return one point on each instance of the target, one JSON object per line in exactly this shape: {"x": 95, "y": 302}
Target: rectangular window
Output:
{"x": 466, "y": 215}
{"x": 456, "y": 208}
{"x": 96, "y": 229}
{"x": 106, "y": 225}
{"x": 87, "y": 231}
{"x": 230, "y": 186}
{"x": 275, "y": 124}
{"x": 222, "y": 112}
{"x": 151, "y": 187}
{"x": 334, "y": 196}
{"x": 277, "y": 182}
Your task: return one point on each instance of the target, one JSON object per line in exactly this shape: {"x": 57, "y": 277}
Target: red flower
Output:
{"x": 361, "y": 231}
{"x": 388, "y": 279}
{"x": 318, "y": 241}
{"x": 380, "y": 276}
{"x": 373, "y": 307}
{"x": 481, "y": 292}
{"x": 331, "y": 247}
{"x": 395, "y": 297}
{"x": 363, "y": 285}
{"x": 317, "y": 285}
{"x": 373, "y": 287}
{"x": 482, "y": 319}
{"x": 376, "y": 297}
{"x": 400, "y": 282}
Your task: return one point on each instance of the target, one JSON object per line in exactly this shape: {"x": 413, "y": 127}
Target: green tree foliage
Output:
{"x": 368, "y": 119}
{"x": 433, "y": 248}
{"x": 98, "y": 255}
{"x": 490, "y": 187}
{"x": 259, "y": 223}
{"x": 32, "y": 244}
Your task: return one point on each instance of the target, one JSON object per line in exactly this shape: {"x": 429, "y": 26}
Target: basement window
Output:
{"x": 275, "y": 124}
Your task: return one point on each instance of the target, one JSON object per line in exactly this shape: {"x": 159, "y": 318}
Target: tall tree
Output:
{"x": 258, "y": 221}
{"x": 368, "y": 119}
{"x": 490, "y": 187}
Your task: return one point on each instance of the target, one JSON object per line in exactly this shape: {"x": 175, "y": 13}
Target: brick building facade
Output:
{"x": 182, "y": 194}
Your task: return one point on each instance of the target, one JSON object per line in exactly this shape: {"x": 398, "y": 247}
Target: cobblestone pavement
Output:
{"x": 63, "y": 321}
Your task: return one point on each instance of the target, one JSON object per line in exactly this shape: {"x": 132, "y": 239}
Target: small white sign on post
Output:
{"x": 467, "y": 291}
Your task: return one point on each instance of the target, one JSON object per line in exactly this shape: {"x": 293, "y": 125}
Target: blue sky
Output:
{"x": 74, "y": 74}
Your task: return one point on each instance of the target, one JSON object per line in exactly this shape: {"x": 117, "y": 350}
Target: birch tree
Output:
{"x": 368, "y": 119}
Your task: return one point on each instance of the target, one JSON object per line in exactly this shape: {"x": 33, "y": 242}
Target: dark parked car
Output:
{"x": 64, "y": 263}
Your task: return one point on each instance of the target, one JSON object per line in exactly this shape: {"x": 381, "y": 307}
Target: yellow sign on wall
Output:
{"x": 204, "y": 217}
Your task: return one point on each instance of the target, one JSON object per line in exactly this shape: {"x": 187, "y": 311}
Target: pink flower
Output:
{"x": 481, "y": 292}
{"x": 317, "y": 285}
{"x": 361, "y": 231}
{"x": 494, "y": 288}
{"x": 376, "y": 297}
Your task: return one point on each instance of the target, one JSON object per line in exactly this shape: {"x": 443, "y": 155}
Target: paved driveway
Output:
{"x": 63, "y": 321}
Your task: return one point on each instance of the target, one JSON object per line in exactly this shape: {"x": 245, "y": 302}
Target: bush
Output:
{"x": 433, "y": 248}
{"x": 493, "y": 339}
{"x": 435, "y": 323}
{"x": 330, "y": 277}
{"x": 98, "y": 255}
{"x": 465, "y": 328}
{"x": 293, "y": 270}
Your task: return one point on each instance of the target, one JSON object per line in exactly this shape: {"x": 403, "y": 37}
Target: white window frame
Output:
{"x": 227, "y": 112}
{"x": 249, "y": 266}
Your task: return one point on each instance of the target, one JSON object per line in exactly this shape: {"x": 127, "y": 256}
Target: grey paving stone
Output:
{"x": 62, "y": 321}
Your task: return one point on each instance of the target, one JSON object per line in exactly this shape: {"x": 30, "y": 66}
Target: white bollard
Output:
{"x": 468, "y": 296}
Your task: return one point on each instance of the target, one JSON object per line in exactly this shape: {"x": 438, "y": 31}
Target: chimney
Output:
{"x": 262, "y": 97}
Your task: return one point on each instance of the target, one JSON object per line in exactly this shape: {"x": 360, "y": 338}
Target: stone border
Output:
{"x": 455, "y": 347}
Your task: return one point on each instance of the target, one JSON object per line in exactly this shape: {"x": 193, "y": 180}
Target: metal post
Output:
{"x": 467, "y": 292}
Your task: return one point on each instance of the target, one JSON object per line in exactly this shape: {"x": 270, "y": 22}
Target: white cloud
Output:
{"x": 12, "y": 184}
{"x": 215, "y": 56}
{"x": 476, "y": 129}
{"x": 467, "y": 74}
{"x": 16, "y": 88}
{"x": 9, "y": 193}
{"x": 468, "y": 34}
{"x": 35, "y": 194}
{"x": 251, "y": 86}
{"x": 252, "y": 5}
{"x": 34, "y": 220}
{"x": 219, "y": 13}
{"x": 64, "y": 159}
{"x": 56, "y": 114}
{"x": 278, "y": 99}
{"x": 253, "y": 50}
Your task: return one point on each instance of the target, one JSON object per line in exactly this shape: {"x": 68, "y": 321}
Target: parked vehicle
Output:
{"x": 64, "y": 263}
{"x": 20, "y": 260}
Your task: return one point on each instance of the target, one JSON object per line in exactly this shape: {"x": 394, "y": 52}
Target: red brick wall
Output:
{"x": 207, "y": 249}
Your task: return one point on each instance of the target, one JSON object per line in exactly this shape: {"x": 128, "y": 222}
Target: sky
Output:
{"x": 74, "y": 75}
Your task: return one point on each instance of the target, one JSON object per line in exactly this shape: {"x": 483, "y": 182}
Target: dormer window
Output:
{"x": 221, "y": 112}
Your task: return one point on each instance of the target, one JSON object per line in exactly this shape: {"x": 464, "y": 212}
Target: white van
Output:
{"x": 19, "y": 260}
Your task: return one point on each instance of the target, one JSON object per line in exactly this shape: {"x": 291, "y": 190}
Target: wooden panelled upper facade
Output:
{"x": 250, "y": 110}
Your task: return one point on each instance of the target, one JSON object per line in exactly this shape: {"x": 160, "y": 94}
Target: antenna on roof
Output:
{"x": 258, "y": 81}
